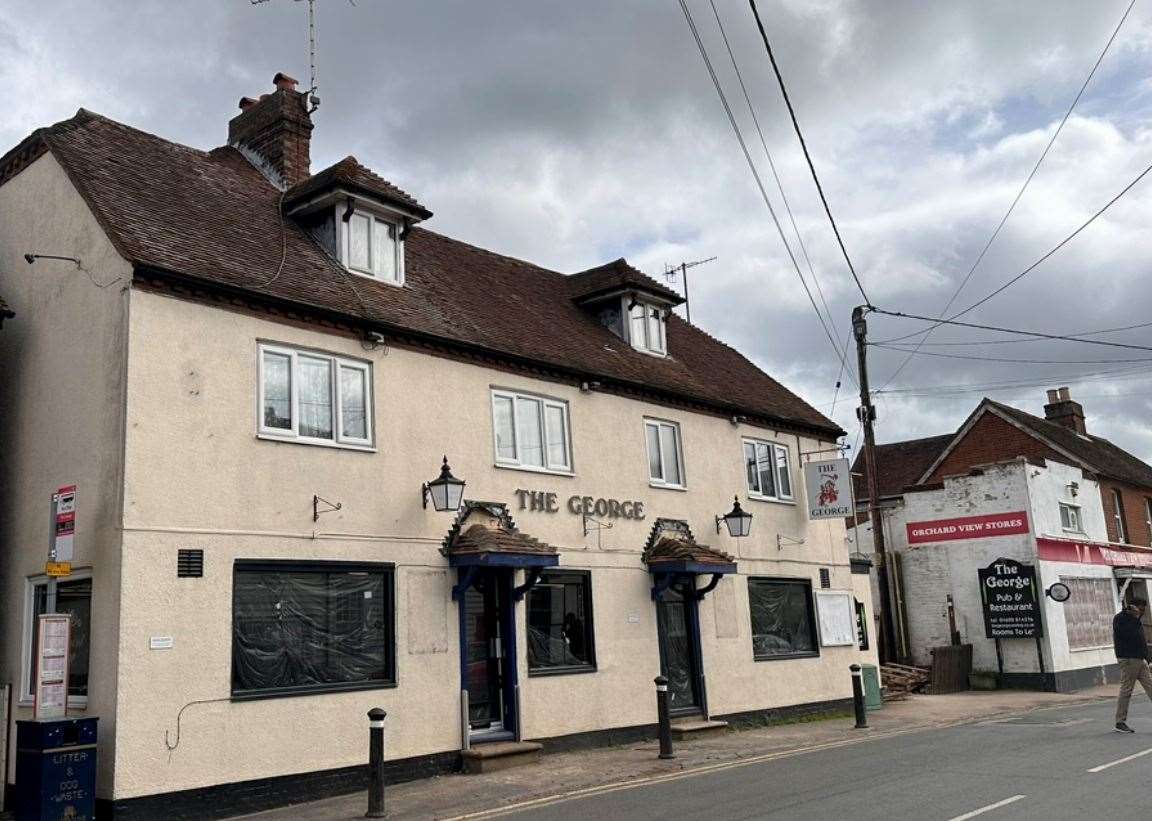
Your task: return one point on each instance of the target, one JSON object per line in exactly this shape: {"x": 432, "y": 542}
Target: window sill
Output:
{"x": 74, "y": 702}
{"x": 320, "y": 443}
{"x": 531, "y": 469}
{"x": 545, "y": 672}
{"x": 1097, "y": 648}
{"x": 313, "y": 690}
{"x": 754, "y": 498}
{"x": 374, "y": 277}
{"x": 660, "y": 486}
{"x": 788, "y": 656}
{"x": 648, "y": 352}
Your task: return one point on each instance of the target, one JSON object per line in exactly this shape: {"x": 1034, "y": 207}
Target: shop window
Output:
{"x": 560, "y": 635}
{"x": 73, "y": 597}
{"x": 532, "y": 432}
{"x": 1118, "y": 516}
{"x": 1088, "y": 613}
{"x": 315, "y": 398}
{"x": 304, "y": 627}
{"x": 766, "y": 468}
{"x": 1070, "y": 518}
{"x": 783, "y": 622}
{"x": 665, "y": 453}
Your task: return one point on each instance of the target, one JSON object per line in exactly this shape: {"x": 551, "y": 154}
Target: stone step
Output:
{"x": 686, "y": 729}
{"x": 499, "y": 755}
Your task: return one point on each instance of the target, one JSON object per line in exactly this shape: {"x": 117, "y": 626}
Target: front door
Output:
{"x": 676, "y": 621}
{"x": 485, "y": 647}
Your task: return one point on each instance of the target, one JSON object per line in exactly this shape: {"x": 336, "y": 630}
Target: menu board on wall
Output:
{"x": 51, "y": 684}
{"x": 837, "y": 617}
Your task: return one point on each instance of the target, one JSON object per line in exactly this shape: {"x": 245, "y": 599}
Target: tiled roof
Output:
{"x": 671, "y": 549}
{"x": 613, "y": 276}
{"x": 481, "y": 539}
{"x": 350, "y": 174}
{"x": 212, "y": 216}
{"x": 1101, "y": 455}
{"x": 898, "y": 464}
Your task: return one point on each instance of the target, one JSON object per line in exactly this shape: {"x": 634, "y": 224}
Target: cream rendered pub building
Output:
{"x": 251, "y": 372}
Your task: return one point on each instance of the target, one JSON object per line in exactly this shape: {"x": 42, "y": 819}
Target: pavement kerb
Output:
{"x": 689, "y": 772}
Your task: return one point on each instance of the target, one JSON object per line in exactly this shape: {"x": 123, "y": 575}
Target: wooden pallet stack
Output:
{"x": 900, "y": 680}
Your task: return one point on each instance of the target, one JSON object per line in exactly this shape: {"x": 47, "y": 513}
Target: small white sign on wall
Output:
{"x": 837, "y": 618}
{"x": 160, "y": 643}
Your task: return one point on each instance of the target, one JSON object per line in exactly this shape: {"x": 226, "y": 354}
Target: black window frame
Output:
{"x": 809, "y": 599}
{"x": 387, "y": 569}
{"x": 585, "y": 581}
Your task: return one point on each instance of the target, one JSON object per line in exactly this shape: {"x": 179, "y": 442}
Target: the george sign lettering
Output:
{"x": 1011, "y": 600}
{"x": 539, "y": 501}
{"x": 829, "y": 494}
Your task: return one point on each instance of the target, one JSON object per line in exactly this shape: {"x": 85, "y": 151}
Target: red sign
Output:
{"x": 969, "y": 527}
{"x": 1062, "y": 550}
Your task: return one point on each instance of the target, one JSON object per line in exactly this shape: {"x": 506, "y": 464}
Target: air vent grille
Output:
{"x": 190, "y": 564}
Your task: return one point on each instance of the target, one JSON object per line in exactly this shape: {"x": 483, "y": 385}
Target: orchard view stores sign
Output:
{"x": 968, "y": 527}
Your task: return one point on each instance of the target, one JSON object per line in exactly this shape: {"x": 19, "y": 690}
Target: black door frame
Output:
{"x": 686, "y": 586}
{"x": 503, "y": 578}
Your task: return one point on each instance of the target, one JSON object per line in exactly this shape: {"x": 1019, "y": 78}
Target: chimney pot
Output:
{"x": 1064, "y": 396}
{"x": 246, "y": 103}
{"x": 1053, "y": 396}
{"x": 1062, "y": 410}
{"x": 283, "y": 82}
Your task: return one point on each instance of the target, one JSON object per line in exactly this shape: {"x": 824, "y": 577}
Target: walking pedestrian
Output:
{"x": 1132, "y": 654}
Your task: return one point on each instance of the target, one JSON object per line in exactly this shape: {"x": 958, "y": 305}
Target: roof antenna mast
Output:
{"x": 670, "y": 272}
{"x": 313, "y": 98}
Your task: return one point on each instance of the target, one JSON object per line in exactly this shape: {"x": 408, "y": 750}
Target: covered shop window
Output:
{"x": 311, "y": 626}
{"x": 783, "y": 625}
{"x": 560, "y": 635}
{"x": 1088, "y": 612}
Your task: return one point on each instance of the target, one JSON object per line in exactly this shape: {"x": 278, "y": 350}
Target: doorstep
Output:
{"x": 500, "y": 755}
{"x": 686, "y": 729}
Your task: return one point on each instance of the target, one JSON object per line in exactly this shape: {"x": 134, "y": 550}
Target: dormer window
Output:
{"x": 371, "y": 246}
{"x": 646, "y": 328}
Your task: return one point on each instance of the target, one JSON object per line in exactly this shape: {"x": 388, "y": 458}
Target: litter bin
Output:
{"x": 56, "y": 770}
{"x": 872, "y": 697}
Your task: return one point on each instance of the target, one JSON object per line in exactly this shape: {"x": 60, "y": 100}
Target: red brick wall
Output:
{"x": 991, "y": 439}
{"x": 1132, "y": 502}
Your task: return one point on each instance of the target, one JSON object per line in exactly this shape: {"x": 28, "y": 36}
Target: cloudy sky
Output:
{"x": 573, "y": 133}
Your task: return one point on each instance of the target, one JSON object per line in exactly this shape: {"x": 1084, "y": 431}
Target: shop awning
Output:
{"x": 673, "y": 554}
{"x": 484, "y": 535}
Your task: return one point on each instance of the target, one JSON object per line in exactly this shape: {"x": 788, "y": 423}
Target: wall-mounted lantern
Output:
{"x": 739, "y": 523}
{"x": 446, "y": 490}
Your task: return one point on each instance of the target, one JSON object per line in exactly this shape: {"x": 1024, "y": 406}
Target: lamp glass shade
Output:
{"x": 739, "y": 523}
{"x": 446, "y": 490}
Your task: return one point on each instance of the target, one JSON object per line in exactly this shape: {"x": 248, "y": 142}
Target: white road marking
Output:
{"x": 1120, "y": 761}
{"x": 988, "y": 808}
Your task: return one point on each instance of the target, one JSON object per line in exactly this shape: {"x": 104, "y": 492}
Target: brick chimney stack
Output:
{"x": 277, "y": 129}
{"x": 1063, "y": 411}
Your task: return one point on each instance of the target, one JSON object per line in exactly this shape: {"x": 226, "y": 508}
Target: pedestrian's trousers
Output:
{"x": 1131, "y": 671}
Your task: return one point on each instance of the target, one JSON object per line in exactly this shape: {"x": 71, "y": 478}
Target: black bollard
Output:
{"x": 376, "y": 763}
{"x": 858, "y": 698}
{"x": 663, "y": 717}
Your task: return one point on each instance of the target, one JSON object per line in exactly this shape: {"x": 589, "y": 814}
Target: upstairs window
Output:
{"x": 646, "y": 328}
{"x": 1118, "y": 517}
{"x": 665, "y": 455}
{"x": 1070, "y": 517}
{"x": 767, "y": 470}
{"x": 315, "y": 398}
{"x": 371, "y": 246}
{"x": 531, "y": 432}
{"x": 1148, "y": 518}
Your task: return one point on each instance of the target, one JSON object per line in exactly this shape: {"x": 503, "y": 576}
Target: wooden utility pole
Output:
{"x": 867, "y": 415}
{"x": 683, "y": 267}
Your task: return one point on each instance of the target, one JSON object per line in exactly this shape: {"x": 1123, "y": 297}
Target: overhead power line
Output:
{"x": 804, "y": 146}
{"x": 1073, "y": 337}
{"x": 1017, "y": 361}
{"x": 1110, "y": 375}
{"x": 755, "y": 173}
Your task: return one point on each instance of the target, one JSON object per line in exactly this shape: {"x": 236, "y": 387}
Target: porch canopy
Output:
{"x": 485, "y": 536}
{"x": 674, "y": 556}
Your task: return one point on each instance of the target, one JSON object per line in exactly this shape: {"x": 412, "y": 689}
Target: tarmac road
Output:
{"x": 1050, "y": 764}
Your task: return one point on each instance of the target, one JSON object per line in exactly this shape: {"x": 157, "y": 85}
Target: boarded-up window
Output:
{"x": 1088, "y": 613}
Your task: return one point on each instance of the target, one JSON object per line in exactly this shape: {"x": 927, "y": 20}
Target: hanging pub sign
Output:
{"x": 1011, "y": 602}
{"x": 829, "y": 494}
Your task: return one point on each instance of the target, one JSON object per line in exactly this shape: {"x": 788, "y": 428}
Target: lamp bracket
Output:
{"x": 316, "y": 511}
{"x": 781, "y": 539}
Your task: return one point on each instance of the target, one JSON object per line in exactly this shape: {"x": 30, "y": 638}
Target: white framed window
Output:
{"x": 1148, "y": 518}
{"x": 315, "y": 398}
{"x": 74, "y": 597}
{"x": 531, "y": 432}
{"x": 768, "y": 471}
{"x": 371, "y": 245}
{"x": 646, "y": 328}
{"x": 1088, "y": 612}
{"x": 1070, "y": 517}
{"x": 665, "y": 453}
{"x": 1118, "y": 517}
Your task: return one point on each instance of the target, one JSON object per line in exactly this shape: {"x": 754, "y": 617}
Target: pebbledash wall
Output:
{"x": 149, "y": 404}
{"x": 931, "y": 571}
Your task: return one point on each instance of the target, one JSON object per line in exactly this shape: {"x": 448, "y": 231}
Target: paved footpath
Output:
{"x": 922, "y": 758}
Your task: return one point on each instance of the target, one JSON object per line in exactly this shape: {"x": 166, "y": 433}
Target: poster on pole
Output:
{"x": 60, "y": 549}
{"x": 1011, "y": 603}
{"x": 827, "y": 484}
{"x": 50, "y": 692}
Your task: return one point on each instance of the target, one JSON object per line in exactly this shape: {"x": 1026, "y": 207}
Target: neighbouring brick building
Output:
{"x": 1084, "y": 512}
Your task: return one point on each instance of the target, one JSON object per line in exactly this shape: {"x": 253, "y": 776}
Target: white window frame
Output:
{"x": 339, "y": 438}
{"x": 658, "y": 481}
{"x": 646, "y": 345}
{"x": 773, "y": 448}
{"x": 1077, "y": 523}
{"x": 345, "y": 241}
{"x": 1118, "y": 515}
{"x": 25, "y": 697}
{"x": 1148, "y": 516}
{"x": 545, "y": 403}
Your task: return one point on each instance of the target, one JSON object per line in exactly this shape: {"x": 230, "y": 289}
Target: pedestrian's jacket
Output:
{"x": 1128, "y": 636}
